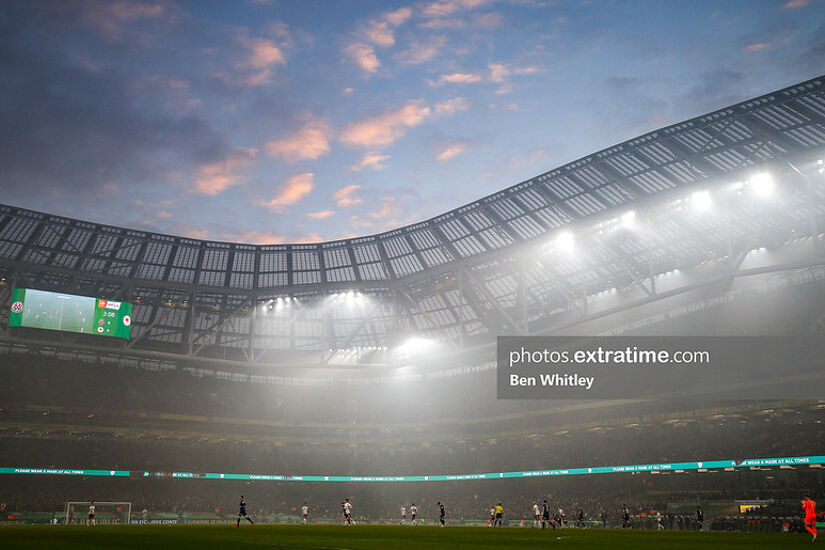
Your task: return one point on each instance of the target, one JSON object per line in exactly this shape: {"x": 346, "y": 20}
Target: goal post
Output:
{"x": 107, "y": 513}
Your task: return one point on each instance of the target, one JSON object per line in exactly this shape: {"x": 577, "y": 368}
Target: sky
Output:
{"x": 287, "y": 121}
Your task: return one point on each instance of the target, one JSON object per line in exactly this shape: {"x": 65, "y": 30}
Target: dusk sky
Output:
{"x": 298, "y": 121}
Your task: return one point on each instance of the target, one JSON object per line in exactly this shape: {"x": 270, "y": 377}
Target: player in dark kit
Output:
{"x": 441, "y": 513}
{"x": 242, "y": 513}
{"x": 545, "y": 515}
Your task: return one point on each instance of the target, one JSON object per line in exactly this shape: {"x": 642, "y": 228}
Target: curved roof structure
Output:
{"x": 494, "y": 266}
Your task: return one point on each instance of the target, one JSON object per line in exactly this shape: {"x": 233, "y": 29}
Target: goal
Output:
{"x": 108, "y": 513}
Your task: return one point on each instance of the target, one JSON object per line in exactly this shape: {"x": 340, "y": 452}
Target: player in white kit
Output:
{"x": 536, "y": 515}
{"x": 304, "y": 513}
{"x": 403, "y": 514}
{"x": 348, "y": 512}
{"x": 413, "y": 513}
{"x": 91, "y": 520}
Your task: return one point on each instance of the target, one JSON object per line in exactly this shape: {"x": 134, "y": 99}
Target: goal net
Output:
{"x": 107, "y": 513}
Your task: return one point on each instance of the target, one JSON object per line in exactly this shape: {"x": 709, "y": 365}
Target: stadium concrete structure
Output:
{"x": 499, "y": 265}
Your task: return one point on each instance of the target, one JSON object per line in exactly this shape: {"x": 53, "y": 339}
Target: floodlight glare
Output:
{"x": 762, "y": 183}
{"x": 701, "y": 200}
{"x": 628, "y": 219}
{"x": 565, "y": 241}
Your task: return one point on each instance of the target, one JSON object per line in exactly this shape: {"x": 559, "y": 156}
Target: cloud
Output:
{"x": 261, "y": 56}
{"x": 532, "y": 69}
{"x": 188, "y": 231}
{"x": 322, "y": 215}
{"x": 163, "y": 215}
{"x": 421, "y": 52}
{"x": 270, "y": 237}
{"x": 370, "y": 160}
{"x": 489, "y": 20}
{"x": 444, "y": 8}
{"x": 308, "y": 238}
{"x": 255, "y": 237}
{"x": 498, "y": 72}
{"x": 380, "y": 33}
{"x": 792, "y": 4}
{"x": 293, "y": 190}
{"x": 364, "y": 56}
{"x": 447, "y": 23}
{"x": 174, "y": 93}
{"x": 215, "y": 177}
{"x": 388, "y": 215}
{"x": 343, "y": 196}
{"x": 451, "y": 151}
{"x": 750, "y": 48}
{"x": 109, "y": 17}
{"x": 457, "y": 78}
{"x": 398, "y": 17}
{"x": 452, "y": 105}
{"x": 385, "y": 128}
{"x": 308, "y": 143}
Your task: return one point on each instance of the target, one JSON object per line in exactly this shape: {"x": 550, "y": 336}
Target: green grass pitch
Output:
{"x": 331, "y": 537}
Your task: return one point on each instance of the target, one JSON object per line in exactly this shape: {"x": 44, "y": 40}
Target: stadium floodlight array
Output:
{"x": 678, "y": 467}
{"x": 107, "y": 513}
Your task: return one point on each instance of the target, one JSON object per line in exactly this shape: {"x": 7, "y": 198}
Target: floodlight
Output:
{"x": 762, "y": 183}
{"x": 628, "y": 219}
{"x": 565, "y": 241}
{"x": 701, "y": 200}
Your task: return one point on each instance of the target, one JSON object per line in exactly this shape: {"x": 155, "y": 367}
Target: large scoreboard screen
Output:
{"x": 67, "y": 312}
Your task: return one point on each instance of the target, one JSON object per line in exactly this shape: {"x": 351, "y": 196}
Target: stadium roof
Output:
{"x": 498, "y": 265}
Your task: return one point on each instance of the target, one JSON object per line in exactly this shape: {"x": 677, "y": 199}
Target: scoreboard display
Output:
{"x": 70, "y": 313}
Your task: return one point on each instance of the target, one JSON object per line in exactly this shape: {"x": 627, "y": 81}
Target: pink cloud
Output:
{"x": 215, "y": 177}
{"x": 386, "y": 128}
{"x": 451, "y": 151}
{"x": 489, "y": 20}
{"x": 421, "y": 52}
{"x": 323, "y": 214}
{"x": 443, "y": 8}
{"x": 452, "y": 105}
{"x": 447, "y": 23}
{"x": 344, "y": 198}
{"x": 750, "y": 48}
{"x": 364, "y": 56}
{"x": 163, "y": 215}
{"x": 795, "y": 4}
{"x": 271, "y": 237}
{"x": 532, "y": 69}
{"x": 498, "y": 72}
{"x": 293, "y": 190}
{"x": 370, "y": 160}
{"x": 189, "y": 231}
{"x": 255, "y": 237}
{"x": 457, "y": 78}
{"x": 262, "y": 55}
{"x": 388, "y": 215}
{"x": 110, "y": 16}
{"x": 310, "y": 142}
{"x": 380, "y": 33}
{"x": 398, "y": 16}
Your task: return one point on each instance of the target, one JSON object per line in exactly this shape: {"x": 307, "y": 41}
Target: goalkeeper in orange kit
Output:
{"x": 810, "y": 515}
